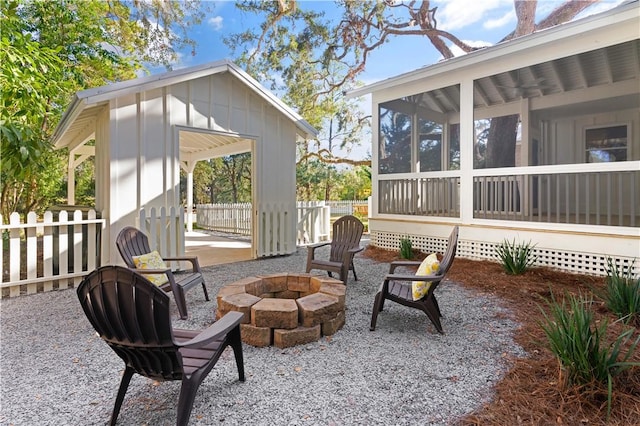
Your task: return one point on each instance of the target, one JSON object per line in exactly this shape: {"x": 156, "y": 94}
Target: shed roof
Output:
{"x": 75, "y": 125}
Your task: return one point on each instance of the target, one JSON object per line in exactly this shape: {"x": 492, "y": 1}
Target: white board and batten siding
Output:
{"x": 145, "y": 161}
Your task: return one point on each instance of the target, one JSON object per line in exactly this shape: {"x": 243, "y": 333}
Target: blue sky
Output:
{"x": 477, "y": 22}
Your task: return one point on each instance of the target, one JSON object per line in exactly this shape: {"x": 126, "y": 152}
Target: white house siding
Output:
{"x": 556, "y": 119}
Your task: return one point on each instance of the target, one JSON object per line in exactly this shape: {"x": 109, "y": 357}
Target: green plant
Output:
{"x": 580, "y": 345}
{"x": 406, "y": 249}
{"x": 516, "y": 258}
{"x": 622, "y": 293}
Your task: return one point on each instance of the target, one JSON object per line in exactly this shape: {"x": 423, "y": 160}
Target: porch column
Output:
{"x": 190, "y": 200}
{"x": 467, "y": 138}
{"x": 71, "y": 181}
{"x": 189, "y": 167}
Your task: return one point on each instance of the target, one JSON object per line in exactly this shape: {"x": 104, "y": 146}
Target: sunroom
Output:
{"x": 535, "y": 140}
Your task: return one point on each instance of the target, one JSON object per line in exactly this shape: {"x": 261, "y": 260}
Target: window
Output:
{"x": 606, "y": 144}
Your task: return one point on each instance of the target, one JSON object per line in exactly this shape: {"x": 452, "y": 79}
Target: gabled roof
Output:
{"x": 574, "y": 37}
{"x": 87, "y": 103}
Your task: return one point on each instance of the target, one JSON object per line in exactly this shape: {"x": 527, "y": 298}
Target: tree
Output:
{"x": 284, "y": 56}
{"x": 31, "y": 78}
{"x": 220, "y": 180}
{"x": 293, "y": 41}
{"x": 51, "y": 49}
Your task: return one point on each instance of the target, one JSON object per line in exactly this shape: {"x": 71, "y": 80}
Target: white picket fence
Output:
{"x": 164, "y": 228}
{"x": 43, "y": 254}
{"x": 56, "y": 250}
{"x": 342, "y": 207}
{"x": 312, "y": 226}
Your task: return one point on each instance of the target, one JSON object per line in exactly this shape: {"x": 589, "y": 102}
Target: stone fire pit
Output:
{"x": 285, "y": 309}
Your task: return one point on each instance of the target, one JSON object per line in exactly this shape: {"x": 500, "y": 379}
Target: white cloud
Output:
{"x": 473, "y": 43}
{"x": 215, "y": 22}
{"x": 507, "y": 18}
{"x": 456, "y": 14}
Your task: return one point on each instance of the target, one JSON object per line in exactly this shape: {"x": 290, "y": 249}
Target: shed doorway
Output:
{"x": 199, "y": 145}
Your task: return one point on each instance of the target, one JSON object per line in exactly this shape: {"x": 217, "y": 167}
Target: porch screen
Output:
{"x": 395, "y": 142}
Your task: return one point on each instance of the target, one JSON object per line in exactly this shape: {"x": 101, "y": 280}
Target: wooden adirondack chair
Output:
{"x": 345, "y": 243}
{"x": 397, "y": 287}
{"x": 132, "y": 242}
{"x": 132, "y": 316}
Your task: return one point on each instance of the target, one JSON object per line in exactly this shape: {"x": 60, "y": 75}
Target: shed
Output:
{"x": 148, "y": 128}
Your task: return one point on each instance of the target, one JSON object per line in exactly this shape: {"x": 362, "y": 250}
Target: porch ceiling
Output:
{"x": 200, "y": 144}
{"x": 588, "y": 70}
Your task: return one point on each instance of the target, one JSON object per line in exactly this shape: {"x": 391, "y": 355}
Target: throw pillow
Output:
{"x": 429, "y": 266}
{"x": 152, "y": 260}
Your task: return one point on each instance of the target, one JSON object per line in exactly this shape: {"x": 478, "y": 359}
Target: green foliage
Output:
{"x": 580, "y": 345}
{"x": 220, "y": 180}
{"x": 290, "y": 53}
{"x": 516, "y": 258}
{"x": 51, "y": 49}
{"x": 622, "y": 293}
{"x": 406, "y": 248}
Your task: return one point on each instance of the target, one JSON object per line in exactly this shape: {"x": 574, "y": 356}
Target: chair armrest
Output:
{"x": 154, "y": 271}
{"x": 404, "y": 263}
{"x": 195, "y": 265}
{"x": 403, "y": 277}
{"x": 215, "y": 331}
{"x": 316, "y": 245}
{"x": 356, "y": 250}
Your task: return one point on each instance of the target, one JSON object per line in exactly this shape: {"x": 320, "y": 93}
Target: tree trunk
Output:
{"x": 501, "y": 142}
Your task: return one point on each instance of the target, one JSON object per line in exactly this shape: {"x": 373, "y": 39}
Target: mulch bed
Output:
{"x": 534, "y": 390}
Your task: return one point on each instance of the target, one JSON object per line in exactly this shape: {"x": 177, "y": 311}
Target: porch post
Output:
{"x": 190, "y": 200}
{"x": 467, "y": 139}
{"x": 71, "y": 180}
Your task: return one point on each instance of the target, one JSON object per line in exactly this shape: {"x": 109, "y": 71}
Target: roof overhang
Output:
{"x": 77, "y": 124}
{"x": 617, "y": 25}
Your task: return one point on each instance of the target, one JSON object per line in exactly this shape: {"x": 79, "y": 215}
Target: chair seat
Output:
{"x": 401, "y": 290}
{"x": 323, "y": 264}
{"x": 194, "y": 359}
{"x": 185, "y": 280}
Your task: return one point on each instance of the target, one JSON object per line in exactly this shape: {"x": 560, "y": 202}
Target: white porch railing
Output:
{"x": 587, "y": 198}
{"x": 42, "y": 254}
{"x": 437, "y": 196}
{"x": 585, "y": 194}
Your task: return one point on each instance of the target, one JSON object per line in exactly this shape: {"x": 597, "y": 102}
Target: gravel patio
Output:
{"x": 55, "y": 371}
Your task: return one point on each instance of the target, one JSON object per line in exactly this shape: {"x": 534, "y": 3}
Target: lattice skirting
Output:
{"x": 574, "y": 262}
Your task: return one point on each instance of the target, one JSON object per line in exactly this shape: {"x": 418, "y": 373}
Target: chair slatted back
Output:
{"x": 450, "y": 253}
{"x": 132, "y": 242}
{"x": 132, "y": 316}
{"x": 347, "y": 232}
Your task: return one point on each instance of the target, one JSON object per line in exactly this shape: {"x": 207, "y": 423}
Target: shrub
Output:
{"x": 580, "y": 346}
{"x": 622, "y": 293}
{"x": 516, "y": 258}
{"x": 406, "y": 249}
